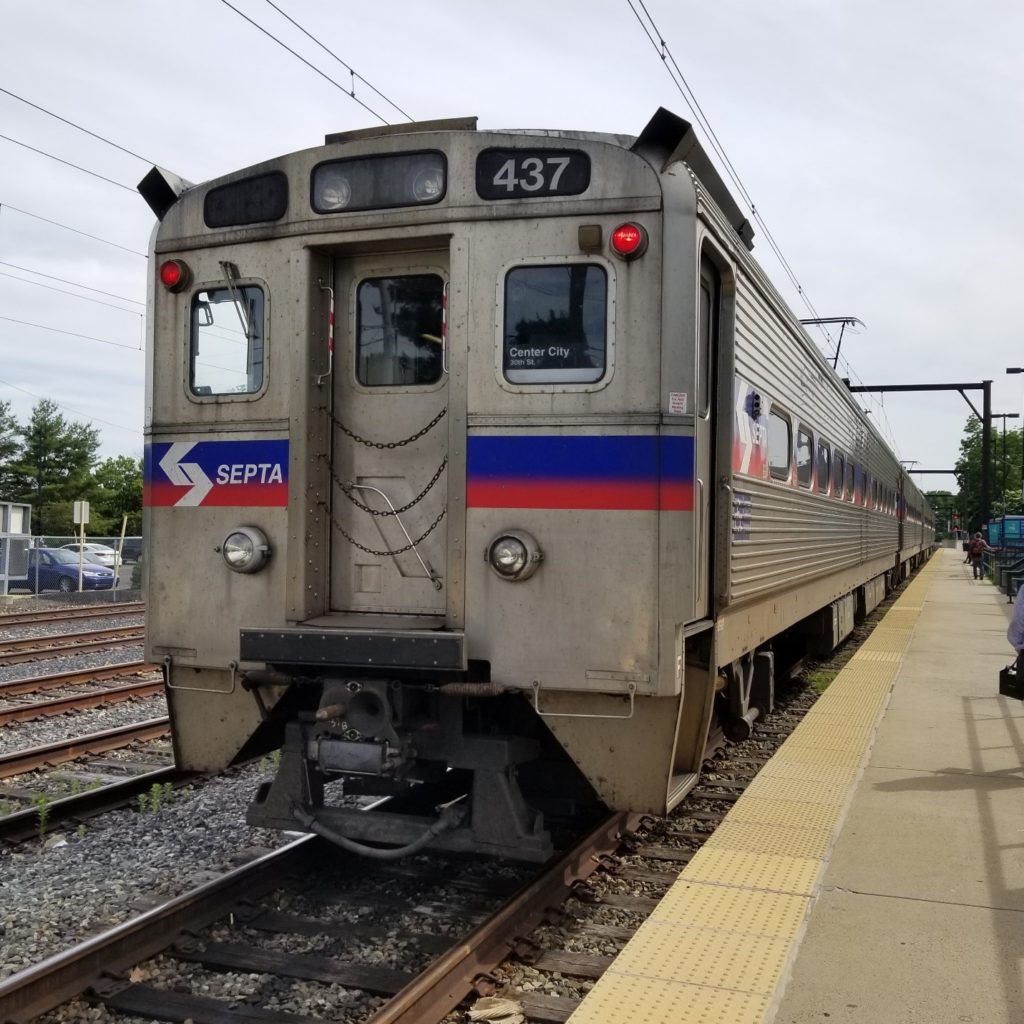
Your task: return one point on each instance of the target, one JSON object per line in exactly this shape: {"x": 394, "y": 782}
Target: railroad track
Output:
{"x": 93, "y": 611}
{"x": 594, "y": 898}
{"x": 19, "y": 761}
{"x": 596, "y": 895}
{"x": 24, "y": 649}
{"x": 511, "y": 945}
{"x": 621, "y": 868}
{"x": 76, "y": 808}
{"x": 413, "y": 997}
{"x": 149, "y": 686}
{"x": 80, "y": 701}
{"x": 58, "y": 680}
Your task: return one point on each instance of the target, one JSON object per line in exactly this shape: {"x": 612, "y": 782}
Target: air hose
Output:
{"x": 449, "y": 818}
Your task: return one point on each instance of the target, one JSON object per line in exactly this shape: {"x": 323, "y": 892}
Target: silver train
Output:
{"x": 485, "y": 471}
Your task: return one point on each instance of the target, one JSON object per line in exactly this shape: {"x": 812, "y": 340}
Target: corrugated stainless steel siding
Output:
{"x": 789, "y": 535}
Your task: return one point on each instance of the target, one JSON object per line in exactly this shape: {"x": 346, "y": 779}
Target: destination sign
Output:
{"x": 531, "y": 173}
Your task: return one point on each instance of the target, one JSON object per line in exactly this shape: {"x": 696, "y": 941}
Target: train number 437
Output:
{"x": 531, "y": 174}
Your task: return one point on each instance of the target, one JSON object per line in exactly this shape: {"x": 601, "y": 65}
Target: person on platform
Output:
{"x": 976, "y": 550}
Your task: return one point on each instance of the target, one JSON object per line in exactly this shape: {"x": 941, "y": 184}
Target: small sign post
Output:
{"x": 80, "y": 516}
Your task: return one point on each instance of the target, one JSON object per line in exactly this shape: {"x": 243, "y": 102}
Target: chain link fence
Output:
{"x": 62, "y": 564}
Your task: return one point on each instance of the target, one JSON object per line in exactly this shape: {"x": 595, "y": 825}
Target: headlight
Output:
{"x": 427, "y": 184}
{"x": 333, "y": 190}
{"x": 245, "y": 549}
{"x": 514, "y": 555}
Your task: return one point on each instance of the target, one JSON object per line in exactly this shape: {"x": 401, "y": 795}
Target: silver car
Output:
{"x": 99, "y": 554}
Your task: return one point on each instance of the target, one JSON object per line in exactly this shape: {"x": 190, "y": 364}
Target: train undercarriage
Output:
{"x": 468, "y": 766}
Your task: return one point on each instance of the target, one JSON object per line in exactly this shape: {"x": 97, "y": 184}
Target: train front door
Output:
{"x": 389, "y": 462}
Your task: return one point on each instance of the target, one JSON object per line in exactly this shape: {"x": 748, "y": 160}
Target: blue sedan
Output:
{"x": 57, "y": 569}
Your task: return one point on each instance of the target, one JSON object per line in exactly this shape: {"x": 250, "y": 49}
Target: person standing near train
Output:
{"x": 976, "y": 550}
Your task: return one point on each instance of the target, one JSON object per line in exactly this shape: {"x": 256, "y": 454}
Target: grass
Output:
{"x": 818, "y": 679}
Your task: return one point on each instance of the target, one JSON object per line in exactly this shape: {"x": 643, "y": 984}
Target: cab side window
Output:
{"x": 226, "y": 346}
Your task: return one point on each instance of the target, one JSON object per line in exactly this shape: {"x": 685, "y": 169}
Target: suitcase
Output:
{"x": 1011, "y": 680}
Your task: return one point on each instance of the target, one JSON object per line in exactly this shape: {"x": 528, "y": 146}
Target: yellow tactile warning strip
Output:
{"x": 721, "y": 942}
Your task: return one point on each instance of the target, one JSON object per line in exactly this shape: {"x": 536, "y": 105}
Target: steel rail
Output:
{"x": 25, "y": 824}
{"x": 28, "y": 642}
{"x": 77, "y": 701}
{"x": 435, "y": 992}
{"x": 40, "y": 988}
{"x": 39, "y": 653}
{"x": 20, "y": 761}
{"x": 449, "y": 979}
{"x": 93, "y": 611}
{"x": 53, "y": 680}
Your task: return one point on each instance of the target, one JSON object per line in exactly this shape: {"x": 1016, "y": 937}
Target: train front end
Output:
{"x": 420, "y": 483}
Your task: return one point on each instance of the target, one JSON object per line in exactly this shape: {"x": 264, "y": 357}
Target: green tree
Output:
{"x": 10, "y": 448}
{"x": 943, "y": 504}
{"x": 1005, "y": 476}
{"x": 116, "y": 492}
{"x": 53, "y": 468}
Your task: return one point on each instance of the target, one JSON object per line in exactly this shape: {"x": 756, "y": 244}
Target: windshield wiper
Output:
{"x": 230, "y": 272}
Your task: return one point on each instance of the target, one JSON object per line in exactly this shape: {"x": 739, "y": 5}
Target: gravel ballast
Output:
{"x": 55, "y": 894}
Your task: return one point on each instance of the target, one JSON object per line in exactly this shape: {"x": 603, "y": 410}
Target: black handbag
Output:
{"x": 1011, "y": 680}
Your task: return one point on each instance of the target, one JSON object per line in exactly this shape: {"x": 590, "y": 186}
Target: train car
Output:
{"x": 485, "y": 470}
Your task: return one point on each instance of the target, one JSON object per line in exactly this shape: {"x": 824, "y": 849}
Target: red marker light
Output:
{"x": 174, "y": 275}
{"x": 629, "y": 241}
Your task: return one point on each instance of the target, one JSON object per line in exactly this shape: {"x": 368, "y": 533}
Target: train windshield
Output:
{"x": 555, "y": 324}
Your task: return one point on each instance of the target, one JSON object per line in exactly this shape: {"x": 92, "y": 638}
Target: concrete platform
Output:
{"x": 874, "y": 871}
{"x": 920, "y": 915}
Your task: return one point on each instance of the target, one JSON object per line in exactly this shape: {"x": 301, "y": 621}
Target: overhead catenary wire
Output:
{"x": 67, "y": 227}
{"x": 72, "y": 334}
{"x": 74, "y": 284}
{"x": 72, "y": 124}
{"x": 270, "y": 35}
{"x": 355, "y": 74}
{"x": 671, "y": 66}
{"x": 68, "y": 163}
{"x": 68, "y": 408}
{"x": 75, "y": 295}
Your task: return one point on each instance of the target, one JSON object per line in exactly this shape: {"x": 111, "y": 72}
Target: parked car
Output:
{"x": 131, "y": 550}
{"x": 101, "y": 554}
{"x": 57, "y": 569}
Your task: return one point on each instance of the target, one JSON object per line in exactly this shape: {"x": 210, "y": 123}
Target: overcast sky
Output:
{"x": 881, "y": 142}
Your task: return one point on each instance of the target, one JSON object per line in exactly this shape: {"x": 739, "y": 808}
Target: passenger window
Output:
{"x": 824, "y": 467}
{"x": 555, "y": 328}
{"x": 226, "y": 341}
{"x": 804, "y": 457}
{"x": 398, "y": 330}
{"x": 848, "y": 484}
{"x": 780, "y": 445}
{"x": 839, "y": 473}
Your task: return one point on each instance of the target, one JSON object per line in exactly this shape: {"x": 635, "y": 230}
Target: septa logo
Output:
{"x": 216, "y": 473}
